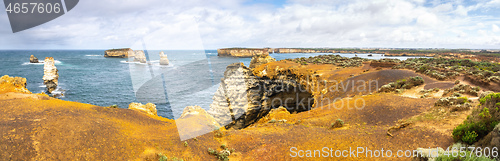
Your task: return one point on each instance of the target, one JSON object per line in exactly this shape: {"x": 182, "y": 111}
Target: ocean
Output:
{"x": 86, "y": 76}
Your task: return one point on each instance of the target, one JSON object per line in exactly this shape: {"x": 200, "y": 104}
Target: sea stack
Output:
{"x": 50, "y": 75}
{"x": 33, "y": 59}
{"x": 163, "y": 59}
{"x": 140, "y": 56}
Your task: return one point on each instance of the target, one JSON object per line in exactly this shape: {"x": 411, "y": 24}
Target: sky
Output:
{"x": 213, "y": 24}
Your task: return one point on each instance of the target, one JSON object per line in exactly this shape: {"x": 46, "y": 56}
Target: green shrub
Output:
{"x": 480, "y": 128}
{"x": 185, "y": 143}
{"x": 485, "y": 113}
{"x": 341, "y": 121}
{"x": 463, "y": 100}
{"x": 162, "y": 157}
{"x": 469, "y": 137}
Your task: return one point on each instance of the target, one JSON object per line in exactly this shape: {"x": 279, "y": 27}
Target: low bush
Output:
{"x": 481, "y": 122}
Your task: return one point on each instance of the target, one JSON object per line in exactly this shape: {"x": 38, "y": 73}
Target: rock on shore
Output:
{"x": 148, "y": 108}
{"x": 163, "y": 59}
{"x": 50, "y": 75}
{"x": 33, "y": 59}
{"x": 261, "y": 59}
{"x": 119, "y": 53}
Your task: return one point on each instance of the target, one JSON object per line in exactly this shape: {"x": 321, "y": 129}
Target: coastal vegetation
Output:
{"x": 481, "y": 122}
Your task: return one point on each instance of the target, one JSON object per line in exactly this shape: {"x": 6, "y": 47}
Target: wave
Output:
{"x": 56, "y": 62}
{"x": 93, "y": 55}
{"x": 155, "y": 63}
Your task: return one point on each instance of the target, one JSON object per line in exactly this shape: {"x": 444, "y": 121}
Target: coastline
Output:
{"x": 41, "y": 127}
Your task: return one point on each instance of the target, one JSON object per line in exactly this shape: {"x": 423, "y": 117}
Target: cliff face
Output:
{"x": 50, "y": 75}
{"x": 33, "y": 59}
{"x": 242, "y": 98}
{"x": 241, "y": 52}
{"x": 163, "y": 59}
{"x": 261, "y": 59}
{"x": 119, "y": 53}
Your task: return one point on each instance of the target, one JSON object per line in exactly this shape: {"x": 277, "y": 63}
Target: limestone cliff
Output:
{"x": 163, "y": 59}
{"x": 119, "y": 53}
{"x": 50, "y": 75}
{"x": 33, "y": 59}
{"x": 261, "y": 59}
{"x": 241, "y": 52}
{"x": 140, "y": 56}
{"x": 242, "y": 98}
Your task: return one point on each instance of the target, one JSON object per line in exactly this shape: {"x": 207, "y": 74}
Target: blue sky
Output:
{"x": 212, "y": 24}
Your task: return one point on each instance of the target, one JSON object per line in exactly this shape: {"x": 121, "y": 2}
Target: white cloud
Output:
{"x": 495, "y": 28}
{"x": 299, "y": 23}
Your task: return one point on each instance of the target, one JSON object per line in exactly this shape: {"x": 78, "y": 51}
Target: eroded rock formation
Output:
{"x": 241, "y": 52}
{"x": 140, "y": 56}
{"x": 163, "y": 59}
{"x": 243, "y": 98}
{"x": 50, "y": 75}
{"x": 261, "y": 59}
{"x": 13, "y": 84}
{"x": 491, "y": 140}
{"x": 119, "y": 53}
{"x": 195, "y": 121}
{"x": 33, "y": 59}
{"x": 148, "y": 108}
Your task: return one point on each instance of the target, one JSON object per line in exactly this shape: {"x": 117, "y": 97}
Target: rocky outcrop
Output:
{"x": 195, "y": 121}
{"x": 261, "y": 59}
{"x": 50, "y": 75}
{"x": 119, "y": 53}
{"x": 13, "y": 84}
{"x": 163, "y": 59}
{"x": 243, "y": 98}
{"x": 491, "y": 140}
{"x": 241, "y": 52}
{"x": 455, "y": 103}
{"x": 140, "y": 56}
{"x": 462, "y": 89}
{"x": 33, "y": 59}
{"x": 148, "y": 108}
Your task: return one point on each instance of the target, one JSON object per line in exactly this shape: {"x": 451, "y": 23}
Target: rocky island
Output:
{"x": 33, "y": 59}
{"x": 163, "y": 59}
{"x": 119, "y": 53}
{"x": 140, "y": 56}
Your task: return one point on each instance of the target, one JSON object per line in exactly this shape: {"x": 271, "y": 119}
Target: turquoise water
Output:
{"x": 86, "y": 76}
